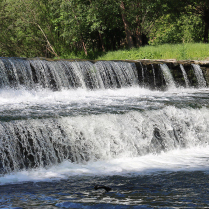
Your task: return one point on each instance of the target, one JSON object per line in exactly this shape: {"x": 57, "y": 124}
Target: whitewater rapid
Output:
{"x": 112, "y": 113}
{"x": 191, "y": 159}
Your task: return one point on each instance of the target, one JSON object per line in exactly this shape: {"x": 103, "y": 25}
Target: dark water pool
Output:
{"x": 159, "y": 190}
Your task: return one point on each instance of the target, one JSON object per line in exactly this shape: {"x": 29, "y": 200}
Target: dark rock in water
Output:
{"x": 107, "y": 189}
{"x": 1, "y": 168}
{"x": 157, "y": 142}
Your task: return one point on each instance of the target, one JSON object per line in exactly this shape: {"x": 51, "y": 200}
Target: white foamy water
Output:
{"x": 159, "y": 108}
{"x": 44, "y": 96}
{"x": 42, "y": 103}
{"x": 192, "y": 159}
{"x": 69, "y": 132}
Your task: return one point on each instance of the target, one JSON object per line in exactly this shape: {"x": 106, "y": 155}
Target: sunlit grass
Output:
{"x": 190, "y": 51}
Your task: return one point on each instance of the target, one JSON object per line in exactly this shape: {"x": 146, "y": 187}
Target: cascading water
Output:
{"x": 168, "y": 76}
{"x": 142, "y": 69}
{"x": 199, "y": 76}
{"x": 79, "y": 120}
{"x": 153, "y": 71}
{"x": 64, "y": 74}
{"x": 41, "y": 142}
{"x": 185, "y": 75}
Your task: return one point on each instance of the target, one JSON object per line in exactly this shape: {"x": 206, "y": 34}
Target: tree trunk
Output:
{"x": 205, "y": 17}
{"x": 82, "y": 39}
{"x": 129, "y": 38}
{"x": 138, "y": 33}
{"x": 49, "y": 47}
{"x": 101, "y": 40}
{"x": 84, "y": 45}
{"x": 206, "y": 32}
{"x": 206, "y": 24}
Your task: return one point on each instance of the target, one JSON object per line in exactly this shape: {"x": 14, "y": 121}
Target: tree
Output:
{"x": 87, "y": 27}
{"x": 139, "y": 18}
{"x": 129, "y": 38}
{"x": 6, "y": 46}
{"x": 201, "y": 8}
{"x": 31, "y": 28}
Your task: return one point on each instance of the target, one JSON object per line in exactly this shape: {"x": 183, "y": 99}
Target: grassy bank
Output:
{"x": 191, "y": 51}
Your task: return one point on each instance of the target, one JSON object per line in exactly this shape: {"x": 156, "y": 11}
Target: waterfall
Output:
{"x": 142, "y": 69}
{"x": 16, "y": 72}
{"x": 199, "y": 75}
{"x": 49, "y": 113}
{"x": 168, "y": 76}
{"x": 153, "y": 71}
{"x": 44, "y": 142}
{"x": 185, "y": 75}
{"x": 63, "y": 74}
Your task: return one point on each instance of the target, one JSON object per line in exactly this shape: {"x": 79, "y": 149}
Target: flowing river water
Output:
{"x": 150, "y": 146}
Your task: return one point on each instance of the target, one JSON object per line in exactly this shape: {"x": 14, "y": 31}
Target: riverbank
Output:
{"x": 190, "y": 51}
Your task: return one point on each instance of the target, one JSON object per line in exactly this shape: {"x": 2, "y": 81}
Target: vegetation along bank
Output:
{"x": 90, "y": 29}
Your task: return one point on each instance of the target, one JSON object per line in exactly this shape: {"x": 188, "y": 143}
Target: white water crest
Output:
{"x": 128, "y": 131}
{"x": 22, "y": 97}
{"x": 185, "y": 75}
{"x": 153, "y": 71}
{"x": 199, "y": 75}
{"x": 64, "y": 74}
{"x": 16, "y": 72}
{"x": 59, "y": 119}
{"x": 25, "y": 143}
{"x": 168, "y": 76}
{"x": 191, "y": 159}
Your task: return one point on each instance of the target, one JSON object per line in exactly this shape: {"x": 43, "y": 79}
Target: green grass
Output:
{"x": 190, "y": 51}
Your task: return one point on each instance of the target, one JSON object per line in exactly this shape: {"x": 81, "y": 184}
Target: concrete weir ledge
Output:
{"x": 173, "y": 61}
{"x": 173, "y": 64}
{"x": 150, "y": 73}
{"x": 203, "y": 62}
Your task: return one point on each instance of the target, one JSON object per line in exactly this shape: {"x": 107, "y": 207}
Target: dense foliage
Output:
{"x": 88, "y": 28}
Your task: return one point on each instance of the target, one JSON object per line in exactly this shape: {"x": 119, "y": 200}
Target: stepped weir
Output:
{"x": 52, "y": 111}
{"x": 31, "y": 73}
